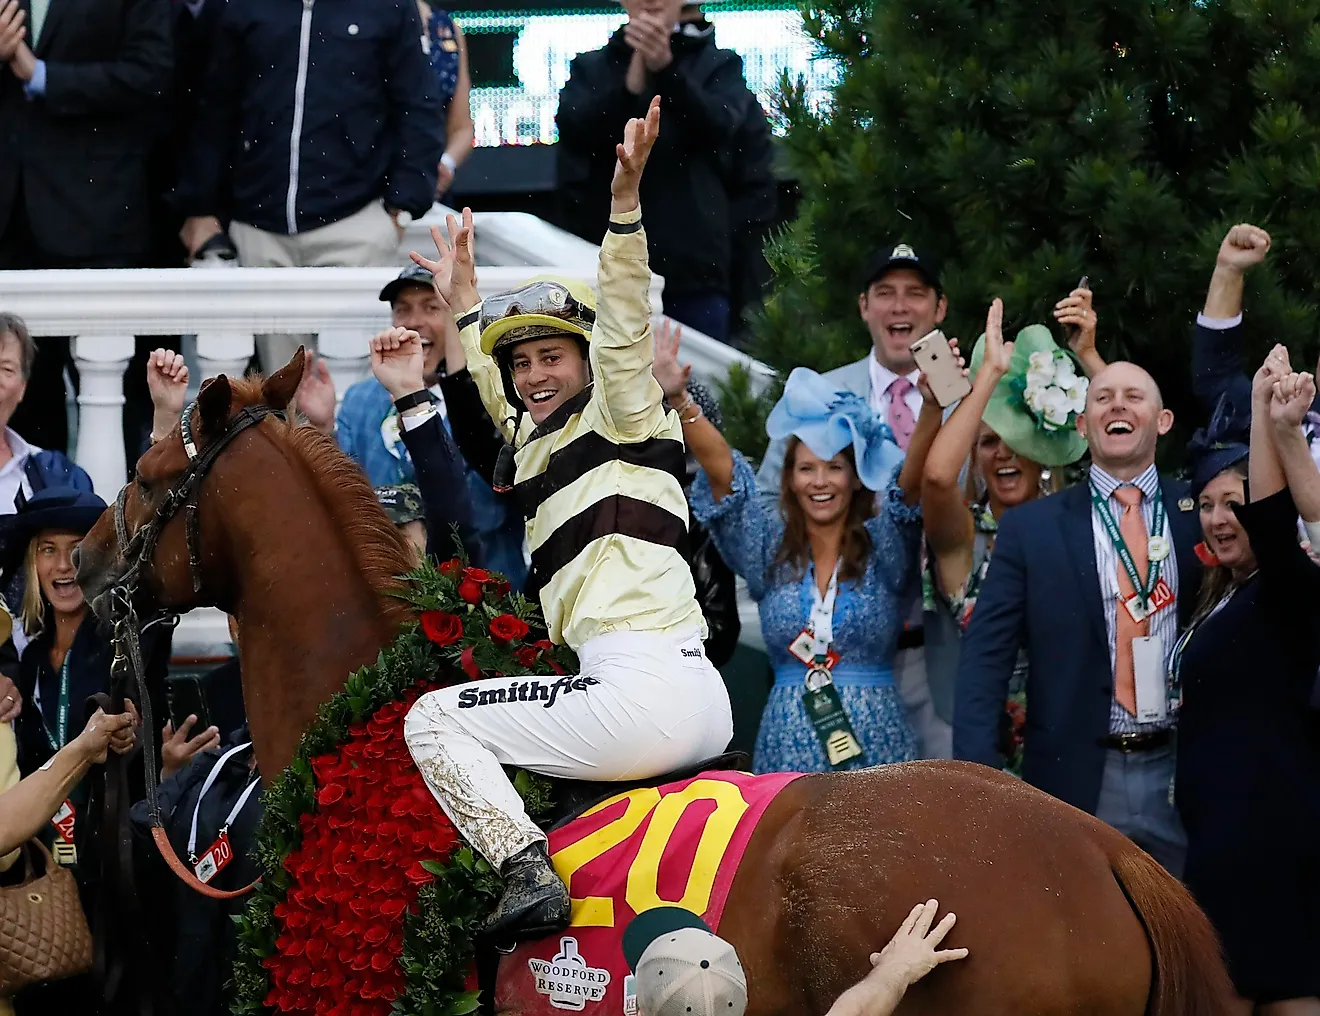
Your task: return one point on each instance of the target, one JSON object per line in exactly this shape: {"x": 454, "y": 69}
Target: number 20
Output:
{"x": 643, "y": 891}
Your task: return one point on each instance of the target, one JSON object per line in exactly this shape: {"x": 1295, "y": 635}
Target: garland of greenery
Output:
{"x": 369, "y": 899}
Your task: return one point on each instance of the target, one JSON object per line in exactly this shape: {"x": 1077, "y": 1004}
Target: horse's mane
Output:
{"x": 381, "y": 551}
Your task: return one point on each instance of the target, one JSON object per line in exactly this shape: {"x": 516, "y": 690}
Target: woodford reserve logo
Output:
{"x": 567, "y": 980}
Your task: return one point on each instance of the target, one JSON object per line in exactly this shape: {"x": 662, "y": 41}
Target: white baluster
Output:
{"x": 101, "y": 360}
{"x": 224, "y": 352}
{"x": 348, "y": 358}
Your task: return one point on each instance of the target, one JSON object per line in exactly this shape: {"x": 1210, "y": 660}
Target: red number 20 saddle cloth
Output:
{"x": 674, "y": 845}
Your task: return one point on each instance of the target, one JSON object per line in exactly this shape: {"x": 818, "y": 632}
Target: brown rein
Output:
{"x": 127, "y": 664}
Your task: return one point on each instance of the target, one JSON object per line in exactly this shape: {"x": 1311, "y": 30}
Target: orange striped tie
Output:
{"x": 1132, "y": 527}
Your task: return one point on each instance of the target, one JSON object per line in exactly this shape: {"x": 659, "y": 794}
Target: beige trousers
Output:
{"x": 365, "y": 239}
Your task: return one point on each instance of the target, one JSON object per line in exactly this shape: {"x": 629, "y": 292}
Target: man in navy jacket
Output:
{"x": 319, "y": 131}
{"x": 1052, "y": 588}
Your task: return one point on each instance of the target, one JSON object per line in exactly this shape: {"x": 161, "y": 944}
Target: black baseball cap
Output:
{"x": 413, "y": 275}
{"x": 903, "y": 255}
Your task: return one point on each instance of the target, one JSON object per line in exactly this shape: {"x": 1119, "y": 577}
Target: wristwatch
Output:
{"x": 421, "y": 397}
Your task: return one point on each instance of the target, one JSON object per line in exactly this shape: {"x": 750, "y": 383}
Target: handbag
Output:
{"x": 43, "y": 931}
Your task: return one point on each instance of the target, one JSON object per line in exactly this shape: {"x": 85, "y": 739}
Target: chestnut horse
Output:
{"x": 1061, "y": 913}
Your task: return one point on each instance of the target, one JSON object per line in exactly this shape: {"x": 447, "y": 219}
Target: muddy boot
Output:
{"x": 535, "y": 901}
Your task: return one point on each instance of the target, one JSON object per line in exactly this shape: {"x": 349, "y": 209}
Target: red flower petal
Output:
{"x": 468, "y": 664}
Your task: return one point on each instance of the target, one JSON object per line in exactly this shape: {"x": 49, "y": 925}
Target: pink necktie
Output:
{"x": 1132, "y": 527}
{"x": 901, "y": 421}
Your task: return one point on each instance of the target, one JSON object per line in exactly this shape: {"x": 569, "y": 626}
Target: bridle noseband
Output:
{"x": 138, "y": 550}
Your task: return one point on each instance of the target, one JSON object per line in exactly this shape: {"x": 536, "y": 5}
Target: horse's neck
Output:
{"x": 306, "y": 621}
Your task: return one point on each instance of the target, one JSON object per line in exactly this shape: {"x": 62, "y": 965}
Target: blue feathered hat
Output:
{"x": 827, "y": 421}
{"x": 1220, "y": 444}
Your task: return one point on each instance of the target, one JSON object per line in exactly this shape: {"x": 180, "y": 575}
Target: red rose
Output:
{"x": 501, "y": 588}
{"x": 506, "y": 628}
{"x": 451, "y": 568}
{"x": 478, "y": 575}
{"x": 441, "y": 628}
{"x": 526, "y": 656}
{"x": 469, "y": 591}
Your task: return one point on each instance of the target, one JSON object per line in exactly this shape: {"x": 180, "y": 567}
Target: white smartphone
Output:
{"x": 937, "y": 362}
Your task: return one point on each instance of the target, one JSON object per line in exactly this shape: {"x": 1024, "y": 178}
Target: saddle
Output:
{"x": 573, "y": 797}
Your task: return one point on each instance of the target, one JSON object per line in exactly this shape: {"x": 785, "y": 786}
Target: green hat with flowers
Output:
{"x": 1035, "y": 405}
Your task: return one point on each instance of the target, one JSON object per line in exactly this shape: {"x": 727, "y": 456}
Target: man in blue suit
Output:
{"x": 1099, "y": 731}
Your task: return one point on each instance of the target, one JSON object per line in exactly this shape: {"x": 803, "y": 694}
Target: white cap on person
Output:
{"x": 682, "y": 967}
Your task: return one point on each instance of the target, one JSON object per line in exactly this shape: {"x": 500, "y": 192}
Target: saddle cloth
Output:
{"x": 678, "y": 844}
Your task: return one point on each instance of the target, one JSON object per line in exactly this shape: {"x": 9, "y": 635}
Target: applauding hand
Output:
{"x": 672, "y": 376}
{"x": 315, "y": 397}
{"x": 12, "y": 30}
{"x": 998, "y": 353}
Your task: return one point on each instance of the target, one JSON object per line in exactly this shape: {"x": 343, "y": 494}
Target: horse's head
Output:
{"x": 155, "y": 541}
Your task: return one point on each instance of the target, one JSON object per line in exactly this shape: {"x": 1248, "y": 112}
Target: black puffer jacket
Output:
{"x": 686, "y": 190}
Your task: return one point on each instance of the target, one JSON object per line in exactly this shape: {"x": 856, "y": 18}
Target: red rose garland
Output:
{"x": 355, "y": 873}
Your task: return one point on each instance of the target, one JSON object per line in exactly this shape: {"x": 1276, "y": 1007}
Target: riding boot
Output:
{"x": 535, "y": 901}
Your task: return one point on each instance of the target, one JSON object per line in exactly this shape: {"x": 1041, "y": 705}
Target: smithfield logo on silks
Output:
{"x": 535, "y": 690}
{"x": 567, "y": 980}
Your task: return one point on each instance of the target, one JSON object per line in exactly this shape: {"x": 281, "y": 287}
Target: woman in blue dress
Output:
{"x": 447, "y": 50}
{"x": 838, "y": 452}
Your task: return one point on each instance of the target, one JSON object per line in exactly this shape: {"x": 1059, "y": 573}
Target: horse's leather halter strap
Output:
{"x": 139, "y": 549}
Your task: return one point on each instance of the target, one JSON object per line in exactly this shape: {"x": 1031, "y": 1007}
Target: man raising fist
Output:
{"x": 1217, "y": 365}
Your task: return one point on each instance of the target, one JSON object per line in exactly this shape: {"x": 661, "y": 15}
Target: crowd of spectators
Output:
{"x": 1139, "y": 644}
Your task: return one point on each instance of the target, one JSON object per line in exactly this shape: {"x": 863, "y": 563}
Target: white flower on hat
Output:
{"x": 1040, "y": 369}
{"x": 1076, "y": 392}
{"x": 1054, "y": 408}
{"x": 1032, "y": 396}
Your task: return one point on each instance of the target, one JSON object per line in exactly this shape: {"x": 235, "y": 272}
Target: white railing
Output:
{"x": 102, "y": 310}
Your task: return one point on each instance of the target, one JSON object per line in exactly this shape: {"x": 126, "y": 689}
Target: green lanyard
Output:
{"x": 62, "y": 708}
{"x": 1125, "y": 555}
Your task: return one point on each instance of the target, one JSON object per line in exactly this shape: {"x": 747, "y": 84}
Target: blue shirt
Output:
{"x": 367, "y": 416}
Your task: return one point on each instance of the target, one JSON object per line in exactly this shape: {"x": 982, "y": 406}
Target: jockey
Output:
{"x": 599, "y": 470}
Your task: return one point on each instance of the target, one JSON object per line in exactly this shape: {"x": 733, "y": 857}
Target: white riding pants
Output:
{"x": 644, "y": 704}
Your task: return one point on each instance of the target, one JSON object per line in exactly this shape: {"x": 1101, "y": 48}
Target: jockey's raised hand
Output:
{"x": 638, "y": 140}
{"x": 397, "y": 361}
{"x": 454, "y": 271}
{"x": 167, "y": 381}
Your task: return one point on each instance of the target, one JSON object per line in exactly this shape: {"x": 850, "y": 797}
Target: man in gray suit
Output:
{"x": 900, "y": 301}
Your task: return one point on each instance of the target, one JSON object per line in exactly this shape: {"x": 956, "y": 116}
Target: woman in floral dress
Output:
{"x": 839, "y": 452}
{"x": 1016, "y": 424}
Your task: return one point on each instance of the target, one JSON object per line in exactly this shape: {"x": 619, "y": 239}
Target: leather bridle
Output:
{"x": 138, "y": 550}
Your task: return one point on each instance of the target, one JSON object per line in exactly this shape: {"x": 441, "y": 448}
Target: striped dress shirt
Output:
{"x": 1164, "y": 624}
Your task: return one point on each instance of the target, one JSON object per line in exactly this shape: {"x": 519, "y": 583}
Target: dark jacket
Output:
{"x": 202, "y": 941}
{"x": 79, "y": 152}
{"x": 1043, "y": 592}
{"x": 1218, "y": 368}
{"x": 686, "y": 190}
{"x": 480, "y": 445}
{"x": 444, "y": 489}
{"x": 359, "y": 107}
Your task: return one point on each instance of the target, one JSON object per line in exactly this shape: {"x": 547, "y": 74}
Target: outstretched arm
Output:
{"x": 1291, "y": 398}
{"x": 1265, "y": 472}
{"x": 701, "y": 436}
{"x": 1076, "y": 315}
{"x": 1217, "y": 364}
{"x": 911, "y": 954}
{"x": 949, "y": 525}
{"x": 622, "y": 352}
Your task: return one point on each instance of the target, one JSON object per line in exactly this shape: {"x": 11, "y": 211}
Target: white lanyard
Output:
{"x": 233, "y": 812}
{"x": 822, "y": 614}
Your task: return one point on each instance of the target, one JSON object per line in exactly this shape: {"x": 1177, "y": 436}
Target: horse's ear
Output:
{"x": 213, "y": 402}
{"x": 277, "y": 390}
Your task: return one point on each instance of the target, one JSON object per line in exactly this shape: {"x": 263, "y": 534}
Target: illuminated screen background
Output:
{"x": 520, "y": 59}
